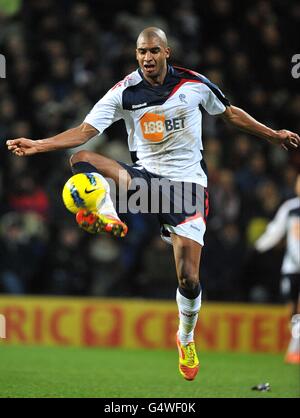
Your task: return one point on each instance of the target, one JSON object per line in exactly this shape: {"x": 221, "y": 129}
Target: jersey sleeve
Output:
{"x": 107, "y": 110}
{"x": 275, "y": 231}
{"x": 213, "y": 100}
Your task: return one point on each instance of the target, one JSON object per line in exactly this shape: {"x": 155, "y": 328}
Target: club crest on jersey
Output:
{"x": 154, "y": 126}
{"x": 182, "y": 98}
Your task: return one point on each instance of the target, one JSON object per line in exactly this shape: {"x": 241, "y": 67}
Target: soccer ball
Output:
{"x": 83, "y": 191}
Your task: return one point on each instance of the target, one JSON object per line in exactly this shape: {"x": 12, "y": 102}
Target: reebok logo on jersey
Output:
{"x": 154, "y": 126}
{"x": 138, "y": 106}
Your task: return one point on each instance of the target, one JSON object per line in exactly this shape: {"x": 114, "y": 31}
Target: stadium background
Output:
{"x": 61, "y": 57}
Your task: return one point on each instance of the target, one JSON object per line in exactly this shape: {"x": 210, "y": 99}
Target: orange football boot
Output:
{"x": 292, "y": 358}
{"x": 188, "y": 360}
{"x": 95, "y": 223}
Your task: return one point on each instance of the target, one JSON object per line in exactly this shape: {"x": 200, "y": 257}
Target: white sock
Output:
{"x": 294, "y": 345}
{"x": 188, "y": 315}
{"x": 106, "y": 206}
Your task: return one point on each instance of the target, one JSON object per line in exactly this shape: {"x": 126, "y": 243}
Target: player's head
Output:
{"x": 297, "y": 185}
{"x": 152, "y": 52}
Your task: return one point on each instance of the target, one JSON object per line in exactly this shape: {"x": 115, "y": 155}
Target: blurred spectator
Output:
{"x": 253, "y": 174}
{"x": 222, "y": 280}
{"x": 146, "y": 15}
{"x": 67, "y": 266}
{"x": 268, "y": 198}
{"x": 225, "y": 200}
{"x": 23, "y": 240}
{"x": 25, "y": 196}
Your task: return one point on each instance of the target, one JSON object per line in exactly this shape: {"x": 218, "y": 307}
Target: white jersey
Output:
{"x": 286, "y": 223}
{"x": 163, "y": 122}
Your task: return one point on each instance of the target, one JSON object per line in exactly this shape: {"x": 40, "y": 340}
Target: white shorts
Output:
{"x": 193, "y": 229}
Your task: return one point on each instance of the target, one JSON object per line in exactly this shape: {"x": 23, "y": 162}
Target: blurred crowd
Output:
{"x": 61, "y": 57}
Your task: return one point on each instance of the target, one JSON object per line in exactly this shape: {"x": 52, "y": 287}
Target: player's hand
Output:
{"x": 286, "y": 139}
{"x": 22, "y": 146}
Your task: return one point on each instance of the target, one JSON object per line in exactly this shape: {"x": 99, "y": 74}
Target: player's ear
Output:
{"x": 168, "y": 52}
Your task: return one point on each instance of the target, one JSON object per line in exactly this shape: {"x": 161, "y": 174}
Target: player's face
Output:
{"x": 152, "y": 56}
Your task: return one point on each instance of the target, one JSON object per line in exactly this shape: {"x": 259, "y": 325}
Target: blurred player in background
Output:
{"x": 286, "y": 224}
{"x": 160, "y": 106}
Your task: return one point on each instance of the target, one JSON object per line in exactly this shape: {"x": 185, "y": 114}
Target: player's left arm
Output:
{"x": 243, "y": 121}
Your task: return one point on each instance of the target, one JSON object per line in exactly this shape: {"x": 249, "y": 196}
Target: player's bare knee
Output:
{"x": 80, "y": 156}
{"x": 188, "y": 281}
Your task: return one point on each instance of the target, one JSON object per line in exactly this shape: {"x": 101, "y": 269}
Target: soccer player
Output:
{"x": 160, "y": 106}
{"x": 287, "y": 224}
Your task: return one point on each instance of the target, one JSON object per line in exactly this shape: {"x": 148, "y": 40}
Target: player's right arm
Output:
{"x": 67, "y": 139}
{"x": 105, "y": 112}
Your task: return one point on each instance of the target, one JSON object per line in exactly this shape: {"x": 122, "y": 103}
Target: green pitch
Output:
{"x": 79, "y": 372}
